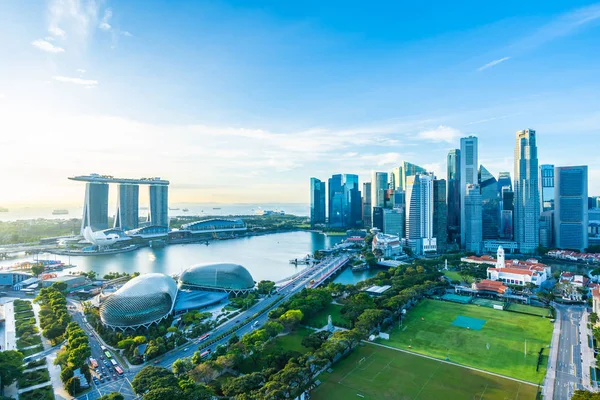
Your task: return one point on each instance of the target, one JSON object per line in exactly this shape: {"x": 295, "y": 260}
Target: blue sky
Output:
{"x": 244, "y": 101}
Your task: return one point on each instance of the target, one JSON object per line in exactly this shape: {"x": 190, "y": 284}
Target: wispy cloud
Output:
{"x": 76, "y": 81}
{"x": 57, "y": 32}
{"x": 104, "y": 24}
{"x": 46, "y": 46}
{"x": 493, "y": 63}
{"x": 440, "y": 134}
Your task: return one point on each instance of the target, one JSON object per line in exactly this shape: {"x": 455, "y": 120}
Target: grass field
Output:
{"x": 390, "y": 374}
{"x": 428, "y": 329}
{"x": 289, "y": 342}
{"x": 319, "y": 320}
{"x": 542, "y": 312}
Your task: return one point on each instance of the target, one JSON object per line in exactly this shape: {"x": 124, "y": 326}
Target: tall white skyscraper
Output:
{"x": 379, "y": 184}
{"x": 527, "y": 195}
{"x": 473, "y": 219}
{"x": 469, "y": 165}
{"x": 419, "y": 213}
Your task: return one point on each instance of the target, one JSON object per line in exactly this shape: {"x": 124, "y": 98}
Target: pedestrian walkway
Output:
{"x": 587, "y": 353}
{"x": 550, "y": 381}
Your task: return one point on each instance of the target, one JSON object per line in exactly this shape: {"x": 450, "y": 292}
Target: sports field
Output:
{"x": 498, "y": 346}
{"x": 391, "y": 374}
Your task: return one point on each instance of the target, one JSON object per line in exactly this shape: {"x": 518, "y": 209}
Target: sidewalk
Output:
{"x": 549, "y": 381}
{"x": 587, "y": 353}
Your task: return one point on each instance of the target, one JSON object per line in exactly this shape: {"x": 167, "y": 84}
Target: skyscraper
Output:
{"x": 440, "y": 214}
{"x": 334, "y": 201}
{"x": 468, "y": 174}
{"x": 127, "y": 216}
{"x": 317, "y": 201}
{"x": 159, "y": 205}
{"x": 95, "y": 207}
{"x": 570, "y": 207}
{"x": 504, "y": 181}
{"x": 506, "y": 215}
{"x": 379, "y": 184}
{"x": 454, "y": 205}
{"x": 473, "y": 219}
{"x": 367, "y": 217}
{"x": 490, "y": 204}
{"x": 393, "y": 221}
{"x": 419, "y": 214}
{"x": 546, "y": 187}
{"x": 351, "y": 203}
{"x": 527, "y": 197}
{"x": 400, "y": 174}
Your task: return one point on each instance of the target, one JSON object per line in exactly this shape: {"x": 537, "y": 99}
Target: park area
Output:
{"x": 502, "y": 342}
{"x": 374, "y": 372}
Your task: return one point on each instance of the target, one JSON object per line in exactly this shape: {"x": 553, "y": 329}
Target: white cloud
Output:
{"x": 47, "y": 46}
{"x": 440, "y": 134}
{"x": 493, "y": 63}
{"x": 56, "y": 31}
{"x": 104, "y": 24}
{"x": 76, "y": 81}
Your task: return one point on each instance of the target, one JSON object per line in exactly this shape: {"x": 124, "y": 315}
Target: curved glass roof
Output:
{"x": 223, "y": 276}
{"x": 141, "y": 301}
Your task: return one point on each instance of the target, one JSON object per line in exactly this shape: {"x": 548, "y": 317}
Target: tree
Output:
{"x": 37, "y": 269}
{"x": 291, "y": 318}
{"x": 150, "y": 377}
{"x": 243, "y": 384}
{"x": 11, "y": 367}
{"x": 182, "y": 366}
{"x": 265, "y": 287}
{"x": 73, "y": 386}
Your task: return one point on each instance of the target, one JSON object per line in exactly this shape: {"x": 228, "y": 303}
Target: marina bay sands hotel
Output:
{"x": 95, "y": 207}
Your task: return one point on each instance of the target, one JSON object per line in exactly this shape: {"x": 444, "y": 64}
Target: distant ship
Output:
{"x": 3, "y": 209}
{"x": 60, "y": 212}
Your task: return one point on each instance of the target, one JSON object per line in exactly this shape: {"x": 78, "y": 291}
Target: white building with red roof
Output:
{"x": 518, "y": 272}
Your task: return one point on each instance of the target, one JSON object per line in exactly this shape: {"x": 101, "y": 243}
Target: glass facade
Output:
{"x": 95, "y": 207}
{"x": 127, "y": 216}
{"x": 571, "y": 211}
{"x": 317, "y": 201}
{"x": 159, "y": 205}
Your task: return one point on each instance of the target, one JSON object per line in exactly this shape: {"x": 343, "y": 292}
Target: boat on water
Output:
{"x": 60, "y": 212}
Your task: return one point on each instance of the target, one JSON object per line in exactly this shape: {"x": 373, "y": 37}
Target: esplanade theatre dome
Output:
{"x": 221, "y": 277}
{"x": 142, "y": 301}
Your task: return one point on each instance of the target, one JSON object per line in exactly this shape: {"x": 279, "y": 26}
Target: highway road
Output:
{"x": 283, "y": 294}
{"x": 569, "y": 366}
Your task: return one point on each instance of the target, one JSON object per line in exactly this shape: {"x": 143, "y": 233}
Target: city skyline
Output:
{"x": 91, "y": 87}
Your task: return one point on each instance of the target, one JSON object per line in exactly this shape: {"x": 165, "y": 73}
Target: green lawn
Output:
{"x": 45, "y": 393}
{"x": 542, "y": 312}
{"x": 319, "y": 320}
{"x": 427, "y": 329}
{"x": 289, "y": 342}
{"x": 390, "y": 374}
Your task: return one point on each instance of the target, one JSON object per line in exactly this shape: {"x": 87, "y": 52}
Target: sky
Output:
{"x": 244, "y": 101}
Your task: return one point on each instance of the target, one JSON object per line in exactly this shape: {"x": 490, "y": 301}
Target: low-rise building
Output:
{"x": 518, "y": 272}
{"x": 388, "y": 245}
